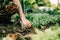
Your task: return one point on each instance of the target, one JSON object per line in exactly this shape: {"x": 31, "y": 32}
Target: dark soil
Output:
{"x": 12, "y": 28}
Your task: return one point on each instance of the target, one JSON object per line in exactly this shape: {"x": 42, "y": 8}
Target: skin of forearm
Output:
{"x": 17, "y": 2}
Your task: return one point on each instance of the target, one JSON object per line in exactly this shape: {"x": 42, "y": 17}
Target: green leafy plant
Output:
{"x": 38, "y": 20}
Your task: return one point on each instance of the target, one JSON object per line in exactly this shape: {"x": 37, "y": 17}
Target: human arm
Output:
{"x": 24, "y": 20}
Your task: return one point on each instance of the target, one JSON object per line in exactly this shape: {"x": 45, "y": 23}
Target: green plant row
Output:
{"x": 38, "y": 20}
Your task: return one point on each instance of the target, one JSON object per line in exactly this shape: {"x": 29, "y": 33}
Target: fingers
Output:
{"x": 28, "y": 25}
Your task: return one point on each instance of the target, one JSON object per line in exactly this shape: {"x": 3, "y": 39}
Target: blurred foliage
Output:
{"x": 38, "y": 20}
{"x": 30, "y": 4}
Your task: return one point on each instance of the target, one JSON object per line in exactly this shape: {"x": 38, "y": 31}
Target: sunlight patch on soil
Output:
{"x": 47, "y": 34}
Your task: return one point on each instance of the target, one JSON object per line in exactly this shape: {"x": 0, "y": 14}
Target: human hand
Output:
{"x": 26, "y": 23}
